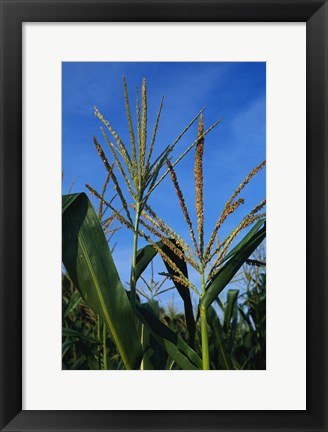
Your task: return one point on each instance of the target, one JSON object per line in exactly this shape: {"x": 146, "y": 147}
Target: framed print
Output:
{"x": 263, "y": 67}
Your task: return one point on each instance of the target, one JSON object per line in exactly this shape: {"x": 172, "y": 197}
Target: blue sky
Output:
{"x": 234, "y": 91}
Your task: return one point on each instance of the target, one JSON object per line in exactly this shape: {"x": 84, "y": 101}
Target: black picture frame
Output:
{"x": 13, "y": 14}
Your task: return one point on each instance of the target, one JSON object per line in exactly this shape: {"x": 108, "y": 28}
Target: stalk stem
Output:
{"x": 134, "y": 260}
{"x": 203, "y": 323}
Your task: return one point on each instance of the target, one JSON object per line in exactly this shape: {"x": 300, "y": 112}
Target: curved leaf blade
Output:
{"x": 89, "y": 263}
{"x": 245, "y": 239}
{"x": 145, "y": 256}
{"x": 155, "y": 356}
{"x": 72, "y": 304}
{"x": 230, "y": 306}
{"x": 77, "y": 335}
{"x": 182, "y": 290}
{"x": 175, "y": 346}
{"x": 216, "y": 328}
{"x": 230, "y": 268}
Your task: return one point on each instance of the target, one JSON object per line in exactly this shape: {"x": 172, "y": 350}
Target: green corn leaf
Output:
{"x": 215, "y": 325}
{"x": 231, "y": 319}
{"x": 76, "y": 334}
{"x": 182, "y": 290}
{"x": 72, "y": 304}
{"x": 66, "y": 346}
{"x": 155, "y": 356}
{"x": 230, "y": 268}
{"x": 89, "y": 263}
{"x": 93, "y": 363}
{"x": 79, "y": 363}
{"x": 230, "y": 306}
{"x": 247, "y": 320}
{"x": 144, "y": 257}
{"x": 245, "y": 239}
{"x": 183, "y": 355}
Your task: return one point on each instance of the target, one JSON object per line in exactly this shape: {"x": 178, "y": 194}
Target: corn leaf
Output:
{"x": 76, "y": 334}
{"x": 216, "y": 328}
{"x": 89, "y": 263}
{"x": 144, "y": 257}
{"x": 155, "y": 356}
{"x": 230, "y": 306}
{"x": 245, "y": 239}
{"x": 72, "y": 304}
{"x": 230, "y": 268}
{"x": 176, "y": 347}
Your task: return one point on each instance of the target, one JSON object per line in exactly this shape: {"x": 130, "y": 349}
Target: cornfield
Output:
{"x": 108, "y": 325}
